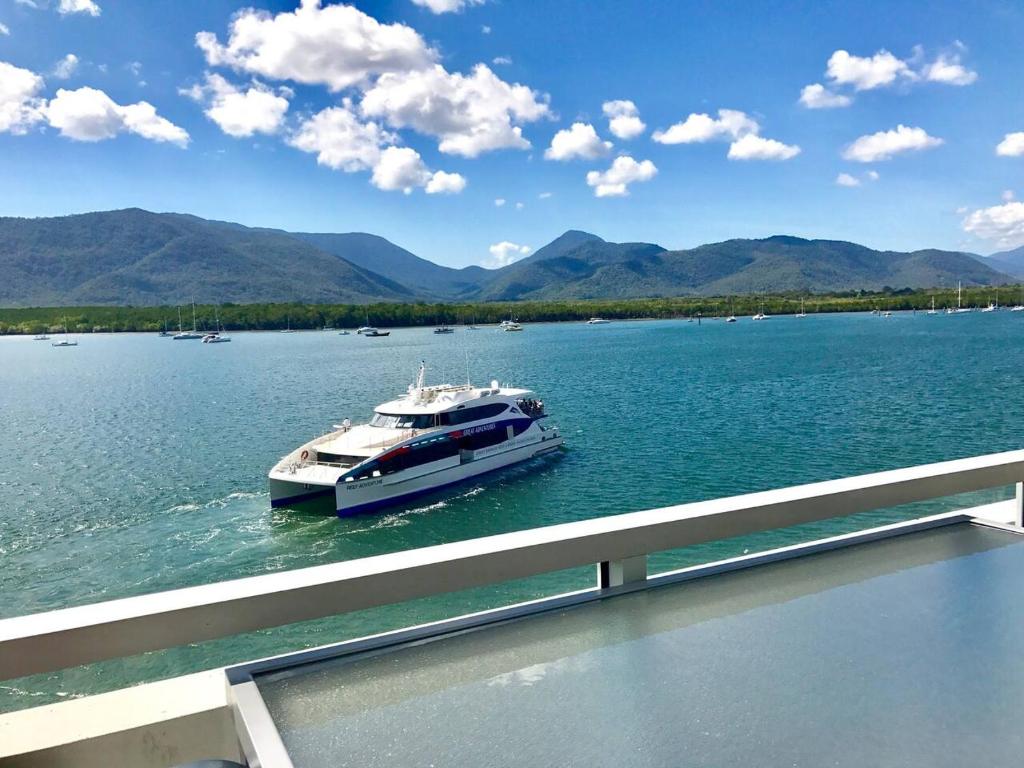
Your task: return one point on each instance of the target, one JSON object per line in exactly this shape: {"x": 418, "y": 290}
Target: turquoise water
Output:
{"x": 131, "y": 463}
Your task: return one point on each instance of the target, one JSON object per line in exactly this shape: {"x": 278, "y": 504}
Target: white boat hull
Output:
{"x": 360, "y": 496}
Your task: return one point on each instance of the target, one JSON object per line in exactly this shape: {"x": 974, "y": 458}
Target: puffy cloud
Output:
{"x": 580, "y": 140}
{"x": 624, "y": 119}
{"x": 337, "y": 46}
{"x": 519, "y": 206}
{"x": 400, "y": 168}
{"x": 624, "y": 171}
{"x": 731, "y": 124}
{"x": 88, "y": 114}
{"x": 544, "y": 195}
{"x": 258, "y": 109}
{"x": 1012, "y": 145}
{"x": 499, "y": 201}
{"x": 341, "y": 140}
{"x": 499, "y": 61}
{"x": 446, "y": 6}
{"x": 470, "y": 114}
{"x": 66, "y": 67}
{"x": 505, "y": 253}
{"x": 866, "y": 73}
{"x": 444, "y": 183}
{"x": 76, "y": 6}
{"x": 4, "y": 29}
{"x": 699, "y": 127}
{"x": 846, "y": 180}
{"x": 754, "y": 147}
{"x": 872, "y": 175}
{"x": 886, "y": 144}
{"x": 1001, "y": 224}
{"x": 948, "y": 69}
{"x": 817, "y": 96}
{"x": 20, "y": 105}
{"x": 1007, "y": 195}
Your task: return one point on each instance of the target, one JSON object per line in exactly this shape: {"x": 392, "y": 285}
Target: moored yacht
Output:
{"x": 429, "y": 438}
{"x": 598, "y": 321}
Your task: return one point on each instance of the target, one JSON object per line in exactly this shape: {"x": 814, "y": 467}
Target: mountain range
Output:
{"x": 141, "y": 258}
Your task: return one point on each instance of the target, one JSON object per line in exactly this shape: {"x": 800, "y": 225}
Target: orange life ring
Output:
{"x": 305, "y": 455}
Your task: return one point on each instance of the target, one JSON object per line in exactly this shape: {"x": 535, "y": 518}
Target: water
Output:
{"x": 131, "y": 463}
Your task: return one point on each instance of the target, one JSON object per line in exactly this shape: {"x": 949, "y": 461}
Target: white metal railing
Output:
{"x": 619, "y": 545}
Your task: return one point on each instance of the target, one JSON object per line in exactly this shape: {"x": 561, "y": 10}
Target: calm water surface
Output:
{"x": 132, "y": 463}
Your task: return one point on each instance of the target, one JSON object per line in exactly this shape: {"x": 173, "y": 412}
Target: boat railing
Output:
{"x": 619, "y": 545}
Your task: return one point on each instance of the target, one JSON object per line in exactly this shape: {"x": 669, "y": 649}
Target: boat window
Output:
{"x": 402, "y": 420}
{"x": 473, "y": 414}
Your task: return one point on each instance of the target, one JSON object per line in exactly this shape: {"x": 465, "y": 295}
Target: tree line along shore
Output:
{"x": 299, "y": 316}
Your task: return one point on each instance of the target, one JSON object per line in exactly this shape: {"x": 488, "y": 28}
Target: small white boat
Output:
{"x": 731, "y": 319}
{"x": 288, "y": 327}
{"x": 992, "y": 307}
{"x": 958, "y": 309}
{"x": 933, "y": 310}
{"x": 192, "y": 335}
{"x": 429, "y": 438}
{"x": 40, "y": 337}
{"x": 363, "y": 329}
{"x": 802, "y": 313}
{"x": 344, "y": 333}
{"x": 66, "y": 341}
{"x": 218, "y": 336}
{"x": 598, "y": 321}
{"x": 371, "y": 333}
{"x": 444, "y": 329}
{"x": 511, "y": 327}
{"x": 887, "y": 313}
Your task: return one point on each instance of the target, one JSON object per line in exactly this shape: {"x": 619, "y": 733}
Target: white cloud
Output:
{"x": 519, "y": 206}
{"x": 499, "y": 201}
{"x": 444, "y": 183}
{"x": 544, "y": 195}
{"x": 886, "y": 144}
{"x": 470, "y": 114}
{"x": 1001, "y": 224}
{"x": 446, "y": 6}
{"x": 29, "y": 3}
{"x": 400, "y": 168}
{"x": 948, "y": 69}
{"x": 4, "y": 29}
{"x": 846, "y": 180}
{"x": 337, "y": 46}
{"x": 485, "y": 29}
{"x": 581, "y": 140}
{"x": 699, "y": 127}
{"x": 341, "y": 140}
{"x": 867, "y": 73}
{"x": 754, "y": 147}
{"x": 624, "y": 119}
{"x": 817, "y": 96}
{"x": 505, "y": 253}
{"x": 624, "y": 171}
{"x": 66, "y": 67}
{"x": 88, "y": 114}
{"x": 258, "y": 109}
{"x": 1007, "y": 195}
{"x": 872, "y": 175}
{"x": 78, "y": 6}
{"x": 20, "y": 105}
{"x": 1012, "y": 145}
{"x": 499, "y": 61}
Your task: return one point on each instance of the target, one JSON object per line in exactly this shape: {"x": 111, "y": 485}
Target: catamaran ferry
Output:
{"x": 428, "y": 439}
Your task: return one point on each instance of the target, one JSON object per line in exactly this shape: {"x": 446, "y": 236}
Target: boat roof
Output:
{"x": 443, "y": 397}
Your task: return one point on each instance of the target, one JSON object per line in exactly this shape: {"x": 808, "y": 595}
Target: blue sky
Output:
{"x": 412, "y": 118}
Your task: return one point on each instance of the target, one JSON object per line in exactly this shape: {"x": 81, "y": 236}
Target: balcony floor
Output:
{"x": 903, "y": 652}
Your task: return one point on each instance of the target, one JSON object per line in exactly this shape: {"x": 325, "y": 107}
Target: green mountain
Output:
{"x": 141, "y": 258}
{"x": 1010, "y": 262}
{"x": 597, "y": 269}
{"x": 136, "y": 257}
{"x": 425, "y": 278}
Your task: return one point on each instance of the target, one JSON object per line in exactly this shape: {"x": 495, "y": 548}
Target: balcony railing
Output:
{"x": 618, "y": 545}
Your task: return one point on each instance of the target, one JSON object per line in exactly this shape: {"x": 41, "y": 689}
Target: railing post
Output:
{"x": 616, "y": 573}
{"x": 1018, "y": 509}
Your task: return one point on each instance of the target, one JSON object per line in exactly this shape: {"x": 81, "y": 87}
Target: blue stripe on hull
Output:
{"x": 371, "y": 506}
{"x": 302, "y": 497}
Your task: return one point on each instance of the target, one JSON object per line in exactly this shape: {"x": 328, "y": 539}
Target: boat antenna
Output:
{"x": 422, "y": 375}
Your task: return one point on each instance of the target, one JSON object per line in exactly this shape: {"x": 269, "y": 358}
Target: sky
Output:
{"x": 476, "y": 131}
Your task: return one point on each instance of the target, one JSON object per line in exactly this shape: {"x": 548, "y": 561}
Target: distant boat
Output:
{"x": 444, "y": 329}
{"x": 40, "y": 337}
{"x": 188, "y": 335}
{"x": 344, "y": 333}
{"x": 218, "y": 336}
{"x": 598, "y": 321}
{"x": 364, "y": 328}
{"x": 65, "y": 342}
{"x": 933, "y": 310}
{"x": 887, "y": 313}
{"x": 373, "y": 332}
{"x": 958, "y": 310}
{"x": 760, "y": 315}
{"x": 512, "y": 327}
{"x": 731, "y": 319}
{"x": 990, "y": 308}
{"x": 802, "y": 313}
{"x": 288, "y": 329}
